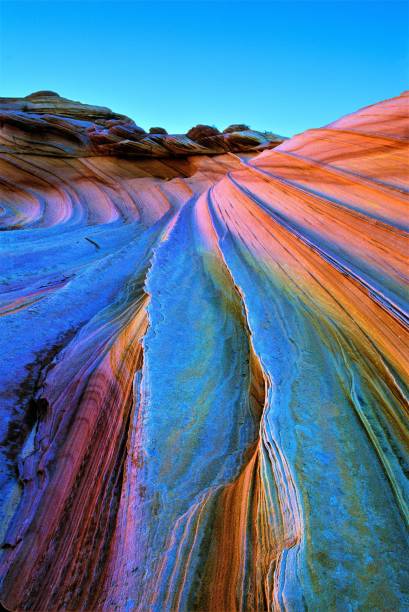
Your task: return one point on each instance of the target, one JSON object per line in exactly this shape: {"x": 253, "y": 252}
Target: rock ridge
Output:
{"x": 43, "y": 123}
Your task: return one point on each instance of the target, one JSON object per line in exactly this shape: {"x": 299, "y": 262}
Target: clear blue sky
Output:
{"x": 281, "y": 66}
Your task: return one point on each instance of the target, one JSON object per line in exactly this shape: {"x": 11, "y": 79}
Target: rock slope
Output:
{"x": 203, "y": 364}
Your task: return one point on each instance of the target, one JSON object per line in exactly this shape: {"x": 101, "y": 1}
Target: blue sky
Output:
{"x": 281, "y": 66}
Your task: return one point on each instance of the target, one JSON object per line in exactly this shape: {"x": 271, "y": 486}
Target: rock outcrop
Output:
{"x": 43, "y": 123}
{"x": 203, "y": 364}
{"x": 157, "y": 130}
{"x": 236, "y": 127}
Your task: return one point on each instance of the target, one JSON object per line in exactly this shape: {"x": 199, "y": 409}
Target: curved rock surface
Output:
{"x": 202, "y": 369}
{"x": 43, "y": 123}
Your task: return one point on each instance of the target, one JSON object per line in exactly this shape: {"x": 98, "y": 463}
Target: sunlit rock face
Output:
{"x": 202, "y": 367}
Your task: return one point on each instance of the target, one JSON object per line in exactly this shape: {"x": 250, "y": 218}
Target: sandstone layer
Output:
{"x": 203, "y": 363}
{"x": 43, "y": 123}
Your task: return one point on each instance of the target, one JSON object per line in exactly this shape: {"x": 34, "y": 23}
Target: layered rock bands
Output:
{"x": 203, "y": 363}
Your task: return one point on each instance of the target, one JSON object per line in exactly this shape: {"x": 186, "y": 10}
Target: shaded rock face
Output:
{"x": 39, "y": 95}
{"x": 43, "y": 123}
{"x": 157, "y": 130}
{"x": 198, "y": 132}
{"x": 236, "y": 127}
{"x": 202, "y": 370}
{"x": 50, "y": 103}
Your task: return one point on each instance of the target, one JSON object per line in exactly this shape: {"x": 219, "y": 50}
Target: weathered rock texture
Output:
{"x": 203, "y": 364}
{"x": 46, "y": 124}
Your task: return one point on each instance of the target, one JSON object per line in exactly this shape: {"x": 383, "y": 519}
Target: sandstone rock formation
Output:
{"x": 157, "y": 130}
{"x": 203, "y": 363}
{"x": 43, "y": 123}
{"x": 236, "y": 127}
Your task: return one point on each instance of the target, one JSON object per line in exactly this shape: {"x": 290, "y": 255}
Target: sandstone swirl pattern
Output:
{"x": 203, "y": 364}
